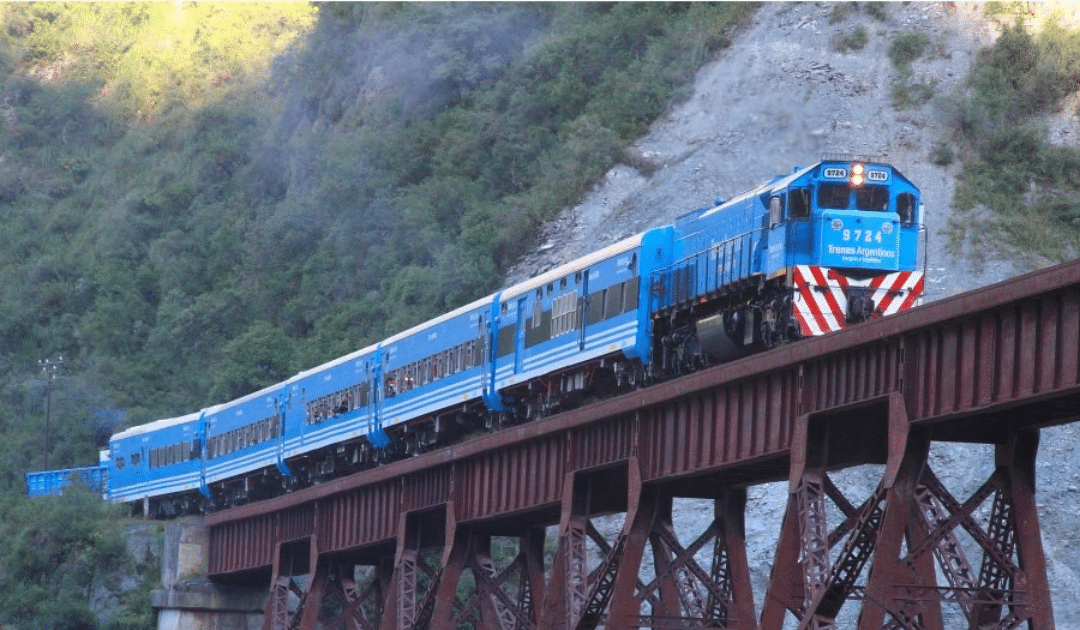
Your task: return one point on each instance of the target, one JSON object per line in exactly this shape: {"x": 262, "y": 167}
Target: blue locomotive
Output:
{"x": 825, "y": 247}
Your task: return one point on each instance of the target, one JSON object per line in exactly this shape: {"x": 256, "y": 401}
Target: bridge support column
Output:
{"x": 585, "y": 593}
{"x": 908, "y": 532}
{"x": 578, "y": 594}
{"x": 502, "y": 598}
{"x": 297, "y": 574}
{"x": 347, "y": 605}
{"x": 424, "y": 545}
{"x": 683, "y": 593}
{"x": 187, "y": 599}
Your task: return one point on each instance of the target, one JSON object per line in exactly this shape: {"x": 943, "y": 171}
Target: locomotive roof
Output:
{"x": 579, "y": 263}
{"x": 775, "y": 183}
{"x": 783, "y": 181}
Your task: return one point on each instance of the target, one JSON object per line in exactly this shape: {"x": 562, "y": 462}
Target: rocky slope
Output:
{"x": 781, "y": 96}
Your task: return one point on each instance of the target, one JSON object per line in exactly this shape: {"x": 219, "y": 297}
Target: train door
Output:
{"x": 281, "y": 409}
{"x": 488, "y": 329}
{"x": 584, "y": 308}
{"x": 202, "y": 435}
{"x": 776, "y": 243}
{"x": 519, "y": 334}
{"x": 140, "y": 464}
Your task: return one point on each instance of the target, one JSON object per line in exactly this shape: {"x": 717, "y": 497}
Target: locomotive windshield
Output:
{"x": 838, "y": 196}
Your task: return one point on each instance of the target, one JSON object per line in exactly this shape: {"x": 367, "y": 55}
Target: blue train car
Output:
{"x": 53, "y": 482}
{"x": 580, "y": 327}
{"x": 437, "y": 373}
{"x": 337, "y": 403}
{"x": 159, "y": 459}
{"x": 242, "y": 437}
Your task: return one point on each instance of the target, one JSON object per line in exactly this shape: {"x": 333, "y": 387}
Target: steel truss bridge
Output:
{"x": 410, "y": 545}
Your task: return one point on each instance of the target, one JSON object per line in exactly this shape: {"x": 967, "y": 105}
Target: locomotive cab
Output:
{"x": 857, "y": 252}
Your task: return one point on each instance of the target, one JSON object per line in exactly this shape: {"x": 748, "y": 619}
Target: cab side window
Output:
{"x": 799, "y": 206}
{"x": 905, "y": 207}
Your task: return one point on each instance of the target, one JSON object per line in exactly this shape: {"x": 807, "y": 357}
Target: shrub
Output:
{"x": 907, "y": 48}
{"x": 942, "y": 154}
{"x": 841, "y": 11}
{"x": 877, "y": 11}
{"x": 907, "y": 94}
{"x": 855, "y": 40}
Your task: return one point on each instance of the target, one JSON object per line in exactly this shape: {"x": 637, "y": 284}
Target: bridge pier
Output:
{"x": 188, "y": 600}
{"x": 683, "y": 593}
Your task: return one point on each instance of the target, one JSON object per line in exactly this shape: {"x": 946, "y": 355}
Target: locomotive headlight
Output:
{"x": 858, "y": 174}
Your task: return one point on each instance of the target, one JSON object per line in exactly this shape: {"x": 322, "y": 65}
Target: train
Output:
{"x": 820, "y": 249}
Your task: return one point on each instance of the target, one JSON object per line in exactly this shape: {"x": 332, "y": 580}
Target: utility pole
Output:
{"x": 51, "y": 369}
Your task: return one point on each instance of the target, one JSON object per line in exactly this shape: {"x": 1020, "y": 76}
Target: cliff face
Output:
{"x": 790, "y": 88}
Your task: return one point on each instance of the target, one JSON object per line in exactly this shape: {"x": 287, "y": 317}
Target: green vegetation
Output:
{"x": 904, "y": 50}
{"x": 877, "y": 10}
{"x": 907, "y": 48}
{"x": 202, "y": 199}
{"x": 842, "y": 10}
{"x": 56, "y": 553}
{"x": 942, "y": 154}
{"x": 855, "y": 40}
{"x": 1016, "y": 192}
